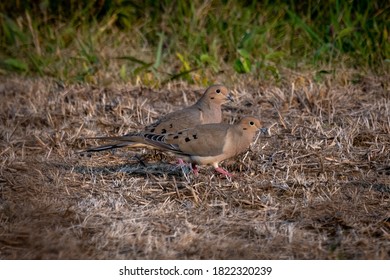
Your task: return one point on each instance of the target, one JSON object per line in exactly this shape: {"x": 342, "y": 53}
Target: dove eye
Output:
{"x": 218, "y": 91}
{"x": 251, "y": 123}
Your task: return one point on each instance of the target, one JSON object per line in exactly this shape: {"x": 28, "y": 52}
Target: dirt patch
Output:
{"x": 317, "y": 188}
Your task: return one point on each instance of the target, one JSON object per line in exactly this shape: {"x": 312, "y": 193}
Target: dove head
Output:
{"x": 250, "y": 124}
{"x": 218, "y": 94}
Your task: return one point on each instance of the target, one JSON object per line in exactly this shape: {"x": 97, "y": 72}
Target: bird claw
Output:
{"x": 224, "y": 172}
{"x": 195, "y": 169}
{"x": 184, "y": 166}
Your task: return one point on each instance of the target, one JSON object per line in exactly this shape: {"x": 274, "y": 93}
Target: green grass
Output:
{"x": 159, "y": 41}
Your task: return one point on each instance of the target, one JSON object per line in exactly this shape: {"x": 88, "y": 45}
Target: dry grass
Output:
{"x": 318, "y": 188}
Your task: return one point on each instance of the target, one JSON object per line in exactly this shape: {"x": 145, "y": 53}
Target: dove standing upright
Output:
{"x": 206, "y": 110}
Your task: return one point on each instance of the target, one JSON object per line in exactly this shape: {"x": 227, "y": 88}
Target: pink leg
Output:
{"x": 223, "y": 172}
{"x": 195, "y": 169}
{"x": 180, "y": 162}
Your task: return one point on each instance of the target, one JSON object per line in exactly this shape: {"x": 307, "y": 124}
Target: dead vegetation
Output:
{"x": 317, "y": 188}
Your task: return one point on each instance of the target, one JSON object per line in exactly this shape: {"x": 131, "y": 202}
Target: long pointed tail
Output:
{"x": 129, "y": 140}
{"x": 108, "y": 147}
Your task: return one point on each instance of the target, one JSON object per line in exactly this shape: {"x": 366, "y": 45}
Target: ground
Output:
{"x": 318, "y": 187}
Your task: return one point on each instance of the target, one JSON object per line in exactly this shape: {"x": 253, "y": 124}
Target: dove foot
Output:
{"x": 223, "y": 172}
{"x": 195, "y": 169}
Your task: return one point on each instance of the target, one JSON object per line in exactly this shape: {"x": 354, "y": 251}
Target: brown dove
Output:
{"x": 206, "y": 110}
{"x": 206, "y": 144}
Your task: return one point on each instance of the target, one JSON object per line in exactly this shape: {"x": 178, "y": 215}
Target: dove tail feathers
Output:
{"x": 159, "y": 141}
{"x": 108, "y": 147}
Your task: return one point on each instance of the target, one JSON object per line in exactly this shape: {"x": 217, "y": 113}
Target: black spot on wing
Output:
{"x": 171, "y": 125}
{"x": 152, "y": 130}
{"x": 175, "y": 137}
{"x": 195, "y": 136}
{"x": 187, "y": 139}
{"x": 163, "y": 131}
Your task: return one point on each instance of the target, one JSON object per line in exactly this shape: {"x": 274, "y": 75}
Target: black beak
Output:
{"x": 230, "y": 97}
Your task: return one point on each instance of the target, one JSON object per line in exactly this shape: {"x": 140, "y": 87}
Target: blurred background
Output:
{"x": 154, "y": 42}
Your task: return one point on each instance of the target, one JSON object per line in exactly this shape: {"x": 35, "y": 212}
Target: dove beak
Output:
{"x": 265, "y": 131}
{"x": 230, "y": 97}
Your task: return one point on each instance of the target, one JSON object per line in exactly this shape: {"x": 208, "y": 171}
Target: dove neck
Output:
{"x": 211, "y": 110}
{"x": 241, "y": 138}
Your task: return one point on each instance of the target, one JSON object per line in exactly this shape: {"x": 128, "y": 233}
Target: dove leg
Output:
{"x": 182, "y": 163}
{"x": 184, "y": 167}
{"x": 194, "y": 169}
{"x": 223, "y": 171}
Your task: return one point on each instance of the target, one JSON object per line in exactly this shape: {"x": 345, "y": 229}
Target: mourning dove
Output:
{"x": 206, "y": 144}
{"x": 206, "y": 110}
